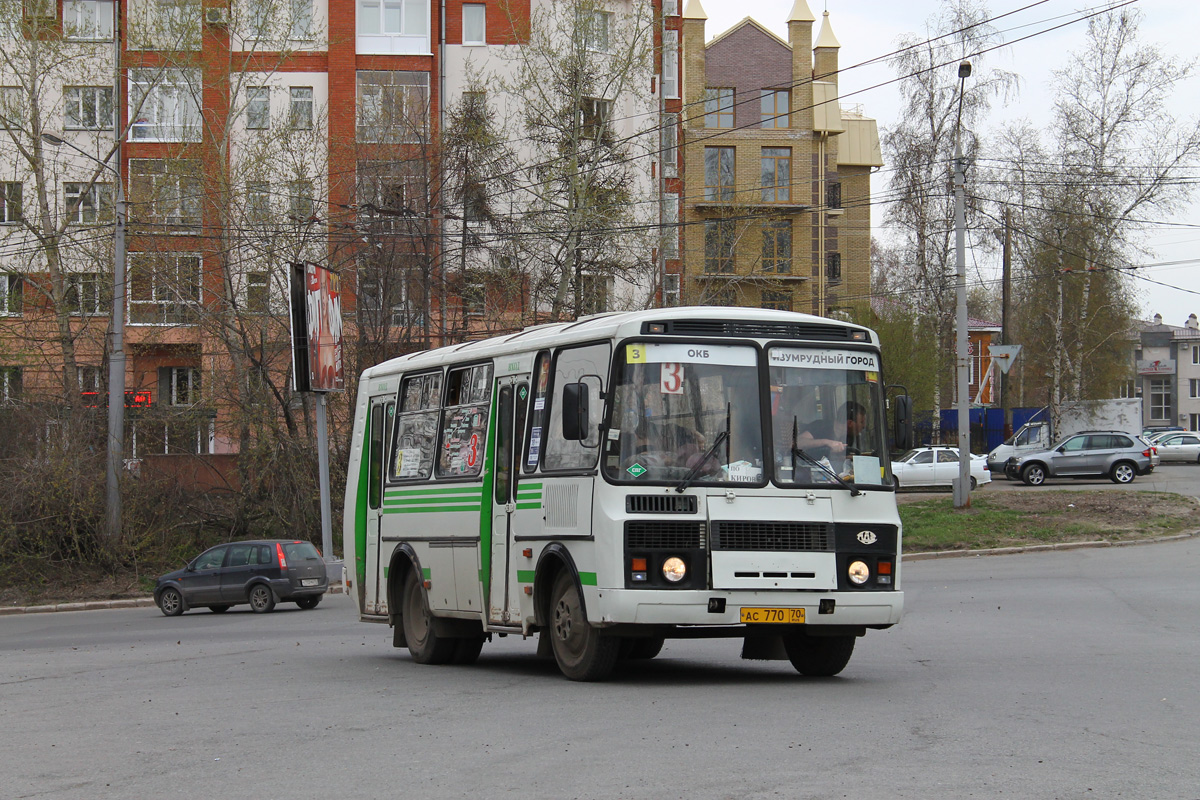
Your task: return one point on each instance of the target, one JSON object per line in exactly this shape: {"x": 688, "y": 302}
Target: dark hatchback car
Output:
{"x": 261, "y": 573}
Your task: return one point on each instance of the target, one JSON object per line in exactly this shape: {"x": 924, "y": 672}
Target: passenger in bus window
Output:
{"x": 839, "y": 436}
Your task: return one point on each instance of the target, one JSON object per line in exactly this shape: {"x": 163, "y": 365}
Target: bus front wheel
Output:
{"x": 582, "y": 653}
{"x": 818, "y": 656}
{"x": 424, "y": 644}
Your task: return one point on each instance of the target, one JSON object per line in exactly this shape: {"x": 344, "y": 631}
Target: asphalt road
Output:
{"x": 1050, "y": 675}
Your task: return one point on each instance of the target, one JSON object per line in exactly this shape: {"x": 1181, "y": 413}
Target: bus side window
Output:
{"x": 415, "y": 440}
{"x": 375, "y": 457}
{"x": 534, "y": 437}
{"x": 465, "y": 421}
{"x": 587, "y": 365}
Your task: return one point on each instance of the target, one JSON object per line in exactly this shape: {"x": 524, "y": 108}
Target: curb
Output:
{"x": 100, "y": 605}
{"x": 1040, "y": 548}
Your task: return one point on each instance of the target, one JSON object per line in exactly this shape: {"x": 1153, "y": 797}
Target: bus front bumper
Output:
{"x": 642, "y": 607}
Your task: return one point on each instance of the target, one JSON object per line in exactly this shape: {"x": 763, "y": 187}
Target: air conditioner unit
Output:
{"x": 216, "y": 16}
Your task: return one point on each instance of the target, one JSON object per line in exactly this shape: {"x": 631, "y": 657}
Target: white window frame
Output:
{"x": 671, "y": 289}
{"x": 87, "y": 108}
{"x": 597, "y": 31}
{"x": 670, "y": 223}
{"x": 302, "y": 200}
{"x": 7, "y": 282}
{"x": 258, "y": 201}
{"x": 300, "y": 108}
{"x": 470, "y": 36}
{"x": 258, "y": 293}
{"x": 258, "y": 108}
{"x": 86, "y": 294}
{"x": 10, "y": 209}
{"x": 165, "y": 298}
{"x": 88, "y": 20}
{"x": 302, "y": 21}
{"x": 670, "y": 8}
{"x": 1194, "y": 387}
{"x": 669, "y": 145}
{"x": 95, "y": 202}
{"x": 170, "y": 111}
{"x": 184, "y": 386}
{"x": 1196, "y": 354}
{"x": 10, "y": 384}
{"x": 670, "y": 65}
{"x": 389, "y": 108}
{"x": 174, "y": 196}
{"x": 11, "y": 100}
{"x": 1160, "y": 408}
{"x": 393, "y": 27}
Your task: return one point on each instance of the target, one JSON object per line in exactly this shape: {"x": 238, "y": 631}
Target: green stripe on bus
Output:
{"x": 485, "y": 509}
{"x": 445, "y": 501}
{"x": 523, "y": 486}
{"x": 526, "y": 575}
{"x": 433, "y": 490}
{"x": 529, "y": 505}
{"x": 429, "y": 509}
{"x": 587, "y": 578}
{"x": 360, "y": 506}
{"x": 425, "y": 573}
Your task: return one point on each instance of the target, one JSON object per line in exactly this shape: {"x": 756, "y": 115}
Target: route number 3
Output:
{"x": 671, "y": 378}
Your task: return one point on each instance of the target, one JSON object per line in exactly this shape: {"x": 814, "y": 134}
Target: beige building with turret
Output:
{"x": 775, "y": 208}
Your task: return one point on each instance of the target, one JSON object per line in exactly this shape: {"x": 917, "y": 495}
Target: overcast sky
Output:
{"x": 868, "y": 29}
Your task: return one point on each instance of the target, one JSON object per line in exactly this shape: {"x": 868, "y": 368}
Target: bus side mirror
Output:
{"x": 902, "y": 417}
{"x": 575, "y": 412}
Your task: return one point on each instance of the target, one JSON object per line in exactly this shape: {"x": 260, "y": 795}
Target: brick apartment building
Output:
{"x": 776, "y": 210}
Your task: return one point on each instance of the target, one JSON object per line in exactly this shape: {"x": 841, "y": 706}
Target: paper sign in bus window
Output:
{"x": 671, "y": 378}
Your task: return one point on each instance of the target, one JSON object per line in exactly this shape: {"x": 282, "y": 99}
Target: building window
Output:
{"x": 1195, "y": 356}
{"x": 11, "y": 107}
{"x": 719, "y": 240}
{"x": 258, "y": 293}
{"x": 88, "y": 294}
{"x": 596, "y": 29}
{"x": 718, "y": 108}
{"x": 88, "y": 19}
{"x": 780, "y": 301}
{"x": 301, "y": 28}
{"x": 775, "y": 108}
{"x": 165, "y": 25}
{"x": 300, "y": 110}
{"x": 776, "y": 174}
{"x": 11, "y": 294}
{"x": 165, "y": 106}
{"x": 10, "y": 384}
{"x": 164, "y": 288}
{"x": 718, "y": 173}
{"x": 670, "y": 224}
{"x": 10, "y": 201}
{"x": 593, "y": 294}
{"x": 384, "y": 300}
{"x": 833, "y": 266}
{"x": 669, "y": 145}
{"x": 1194, "y": 387}
{"x": 179, "y": 386}
{"x": 594, "y": 116}
{"x": 1160, "y": 399}
{"x": 474, "y": 21}
{"x": 258, "y": 108}
{"x": 1194, "y": 422}
{"x": 670, "y": 65}
{"x": 87, "y": 107}
{"x": 1128, "y": 389}
{"x": 258, "y": 201}
{"x": 165, "y": 192}
{"x": 392, "y": 106}
{"x": 393, "y": 26}
{"x": 40, "y": 11}
{"x": 388, "y": 193}
{"x": 301, "y": 203}
{"x": 91, "y": 379}
{"x": 833, "y": 195}
{"x": 671, "y": 289}
{"x": 777, "y": 246}
{"x": 670, "y": 8}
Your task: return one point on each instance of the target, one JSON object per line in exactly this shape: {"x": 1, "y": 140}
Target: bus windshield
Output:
{"x": 686, "y": 411}
{"x": 827, "y": 420}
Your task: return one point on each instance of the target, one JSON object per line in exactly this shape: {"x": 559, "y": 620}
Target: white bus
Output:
{"x": 618, "y": 480}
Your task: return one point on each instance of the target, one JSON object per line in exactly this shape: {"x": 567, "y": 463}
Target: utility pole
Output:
{"x": 1005, "y": 333}
{"x": 962, "y": 485}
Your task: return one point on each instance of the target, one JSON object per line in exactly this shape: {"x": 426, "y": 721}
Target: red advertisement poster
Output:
{"x": 323, "y": 302}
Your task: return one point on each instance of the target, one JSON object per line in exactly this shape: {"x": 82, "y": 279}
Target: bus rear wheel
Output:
{"x": 582, "y": 653}
{"x": 818, "y": 656}
{"x": 424, "y": 644}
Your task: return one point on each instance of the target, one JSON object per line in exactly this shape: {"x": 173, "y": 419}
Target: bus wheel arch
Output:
{"x": 404, "y": 561}
{"x": 555, "y": 558}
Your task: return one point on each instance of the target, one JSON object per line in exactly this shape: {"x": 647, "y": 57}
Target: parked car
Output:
{"x": 1155, "y": 431}
{"x": 1094, "y": 454}
{"x": 1176, "y": 446}
{"x": 261, "y": 573}
{"x": 936, "y": 466}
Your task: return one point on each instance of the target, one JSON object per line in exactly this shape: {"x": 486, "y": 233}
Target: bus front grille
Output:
{"x": 660, "y": 535}
{"x": 775, "y": 536}
{"x": 660, "y": 504}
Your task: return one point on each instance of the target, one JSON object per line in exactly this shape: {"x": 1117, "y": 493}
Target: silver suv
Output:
{"x": 1091, "y": 454}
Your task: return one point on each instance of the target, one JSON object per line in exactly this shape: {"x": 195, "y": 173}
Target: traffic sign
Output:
{"x": 1004, "y": 355}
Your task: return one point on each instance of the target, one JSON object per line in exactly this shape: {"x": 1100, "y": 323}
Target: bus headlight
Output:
{"x": 858, "y": 573}
{"x": 674, "y": 569}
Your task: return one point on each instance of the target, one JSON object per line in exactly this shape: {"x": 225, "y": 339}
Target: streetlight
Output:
{"x": 116, "y": 357}
{"x": 962, "y": 485}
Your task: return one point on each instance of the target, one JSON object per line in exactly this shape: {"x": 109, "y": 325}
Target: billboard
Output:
{"x": 316, "y": 304}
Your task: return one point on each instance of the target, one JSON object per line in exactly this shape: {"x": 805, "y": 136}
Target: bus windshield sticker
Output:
{"x": 824, "y": 358}
{"x": 867, "y": 471}
{"x": 671, "y": 378}
{"x": 535, "y": 445}
{"x": 410, "y": 463}
{"x": 636, "y": 470}
{"x": 724, "y": 355}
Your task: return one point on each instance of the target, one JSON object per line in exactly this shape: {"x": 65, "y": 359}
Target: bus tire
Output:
{"x": 424, "y": 644}
{"x": 818, "y": 656}
{"x": 466, "y": 651}
{"x": 582, "y": 652}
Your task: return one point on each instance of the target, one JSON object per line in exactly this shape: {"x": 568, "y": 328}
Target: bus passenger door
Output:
{"x": 511, "y": 405}
{"x": 372, "y": 598}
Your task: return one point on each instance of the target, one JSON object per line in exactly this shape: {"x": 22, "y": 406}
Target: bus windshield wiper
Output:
{"x": 722, "y": 437}
{"x": 854, "y": 490}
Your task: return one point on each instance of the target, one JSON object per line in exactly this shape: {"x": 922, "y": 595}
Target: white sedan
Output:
{"x": 936, "y": 466}
{"x": 1179, "y": 446}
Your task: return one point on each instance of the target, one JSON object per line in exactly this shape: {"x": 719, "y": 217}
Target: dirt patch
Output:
{"x": 49, "y": 584}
